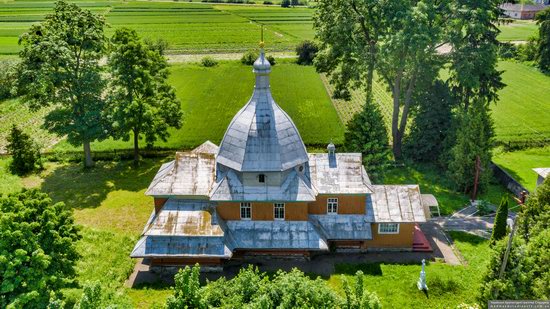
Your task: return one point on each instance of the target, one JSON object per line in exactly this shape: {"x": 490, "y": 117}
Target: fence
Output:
{"x": 507, "y": 180}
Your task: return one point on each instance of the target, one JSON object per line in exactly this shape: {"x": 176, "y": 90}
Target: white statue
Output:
{"x": 421, "y": 284}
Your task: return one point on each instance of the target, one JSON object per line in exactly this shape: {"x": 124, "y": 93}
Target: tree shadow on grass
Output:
{"x": 80, "y": 188}
{"x": 372, "y": 269}
{"x": 466, "y": 237}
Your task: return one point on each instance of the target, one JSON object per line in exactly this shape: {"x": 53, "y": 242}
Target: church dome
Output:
{"x": 261, "y": 137}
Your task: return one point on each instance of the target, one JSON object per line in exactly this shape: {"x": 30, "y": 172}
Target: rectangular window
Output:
{"x": 246, "y": 211}
{"x": 388, "y": 228}
{"x": 332, "y": 206}
{"x": 279, "y": 211}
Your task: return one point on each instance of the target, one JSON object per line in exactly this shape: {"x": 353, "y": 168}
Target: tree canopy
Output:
{"x": 24, "y": 151}
{"x": 543, "y": 41}
{"x": 37, "y": 249}
{"x": 60, "y": 66}
{"x": 141, "y": 101}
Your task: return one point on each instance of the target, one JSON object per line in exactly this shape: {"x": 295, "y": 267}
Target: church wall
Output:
{"x": 263, "y": 211}
{"x": 402, "y": 240}
{"x": 347, "y": 204}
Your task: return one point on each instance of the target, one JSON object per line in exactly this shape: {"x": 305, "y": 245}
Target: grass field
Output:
{"x": 521, "y": 114}
{"x": 518, "y": 30}
{"x": 210, "y": 97}
{"x": 187, "y": 27}
{"x": 520, "y": 164}
{"x": 110, "y": 204}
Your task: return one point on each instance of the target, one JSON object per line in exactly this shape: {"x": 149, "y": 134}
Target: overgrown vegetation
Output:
{"x": 24, "y": 151}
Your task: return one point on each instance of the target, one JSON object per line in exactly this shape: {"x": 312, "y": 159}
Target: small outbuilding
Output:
{"x": 521, "y": 11}
{"x": 542, "y": 173}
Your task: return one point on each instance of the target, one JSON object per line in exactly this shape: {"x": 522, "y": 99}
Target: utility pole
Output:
{"x": 508, "y": 247}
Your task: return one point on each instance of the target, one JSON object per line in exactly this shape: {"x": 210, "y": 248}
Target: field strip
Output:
{"x": 190, "y": 58}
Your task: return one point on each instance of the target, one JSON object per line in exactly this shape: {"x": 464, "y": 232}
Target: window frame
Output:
{"x": 388, "y": 232}
{"x": 261, "y": 178}
{"x": 243, "y": 206}
{"x": 279, "y": 205}
{"x": 332, "y": 202}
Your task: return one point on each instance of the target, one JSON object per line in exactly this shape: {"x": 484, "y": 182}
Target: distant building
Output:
{"x": 542, "y": 173}
{"x": 522, "y": 11}
{"x": 261, "y": 193}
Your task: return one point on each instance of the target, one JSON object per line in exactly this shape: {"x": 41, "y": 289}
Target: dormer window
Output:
{"x": 261, "y": 178}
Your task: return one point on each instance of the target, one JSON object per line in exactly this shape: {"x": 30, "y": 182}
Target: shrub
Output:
{"x": 499, "y": 228}
{"x": 285, "y": 3}
{"x": 7, "y": 79}
{"x": 208, "y": 62}
{"x": 527, "y": 51}
{"x": 507, "y": 50}
{"x": 249, "y": 57}
{"x": 25, "y": 153}
{"x": 306, "y": 51}
{"x": 268, "y": 2}
{"x": 37, "y": 249}
{"x": 271, "y": 60}
{"x": 483, "y": 208}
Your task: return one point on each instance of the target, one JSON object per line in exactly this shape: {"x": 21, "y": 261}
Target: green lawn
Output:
{"x": 110, "y": 204}
{"x": 210, "y": 97}
{"x": 520, "y": 164}
{"x": 518, "y": 30}
{"x": 449, "y": 286}
{"x": 434, "y": 181}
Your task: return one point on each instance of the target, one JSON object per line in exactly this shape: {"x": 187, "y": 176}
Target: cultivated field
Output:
{"x": 187, "y": 27}
{"x": 210, "y": 97}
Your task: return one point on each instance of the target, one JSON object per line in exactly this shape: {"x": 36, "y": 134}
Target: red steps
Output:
{"x": 420, "y": 242}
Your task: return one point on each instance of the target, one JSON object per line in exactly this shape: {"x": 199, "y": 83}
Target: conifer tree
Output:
{"x": 366, "y": 133}
{"x": 499, "y": 227}
{"x": 543, "y": 40}
{"x": 24, "y": 151}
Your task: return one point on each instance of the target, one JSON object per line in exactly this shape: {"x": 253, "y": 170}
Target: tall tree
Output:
{"x": 426, "y": 141}
{"x": 349, "y": 32}
{"x": 543, "y": 40}
{"x": 141, "y": 100}
{"x": 473, "y": 139}
{"x": 37, "y": 249}
{"x": 499, "y": 228}
{"x": 366, "y": 133}
{"x": 60, "y": 66}
{"x": 396, "y": 38}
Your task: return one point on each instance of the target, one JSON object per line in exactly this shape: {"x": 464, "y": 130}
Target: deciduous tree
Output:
{"x": 142, "y": 103}
{"x": 37, "y": 249}
{"x": 60, "y": 66}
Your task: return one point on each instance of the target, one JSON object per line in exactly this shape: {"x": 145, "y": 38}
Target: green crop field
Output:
{"x": 520, "y": 164}
{"x": 187, "y": 27}
{"x": 518, "y": 30}
{"x": 210, "y": 97}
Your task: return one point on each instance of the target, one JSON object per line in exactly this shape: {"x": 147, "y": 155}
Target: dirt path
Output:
{"x": 189, "y": 58}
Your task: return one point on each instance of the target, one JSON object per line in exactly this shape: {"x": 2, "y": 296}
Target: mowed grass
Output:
{"x": 210, "y": 97}
{"x": 433, "y": 181}
{"x": 449, "y": 286}
{"x": 520, "y": 164}
{"x": 518, "y": 30}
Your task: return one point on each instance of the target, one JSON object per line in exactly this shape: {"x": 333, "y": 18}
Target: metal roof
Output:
{"x": 207, "y": 147}
{"x": 295, "y": 187}
{"x": 186, "y": 218}
{"x": 344, "y": 227}
{"x": 261, "y": 136}
{"x": 542, "y": 171}
{"x": 298, "y": 235}
{"x": 397, "y": 203}
{"x": 338, "y": 173}
{"x": 190, "y": 174}
{"x": 181, "y": 246}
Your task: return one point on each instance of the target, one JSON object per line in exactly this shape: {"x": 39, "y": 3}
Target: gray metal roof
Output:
{"x": 295, "y": 187}
{"x": 542, "y": 171}
{"x": 190, "y": 174}
{"x": 207, "y": 147}
{"x": 181, "y": 246}
{"x": 299, "y": 235}
{"x": 185, "y": 218}
{"x": 344, "y": 227}
{"x": 338, "y": 173}
{"x": 261, "y": 136}
{"x": 397, "y": 203}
